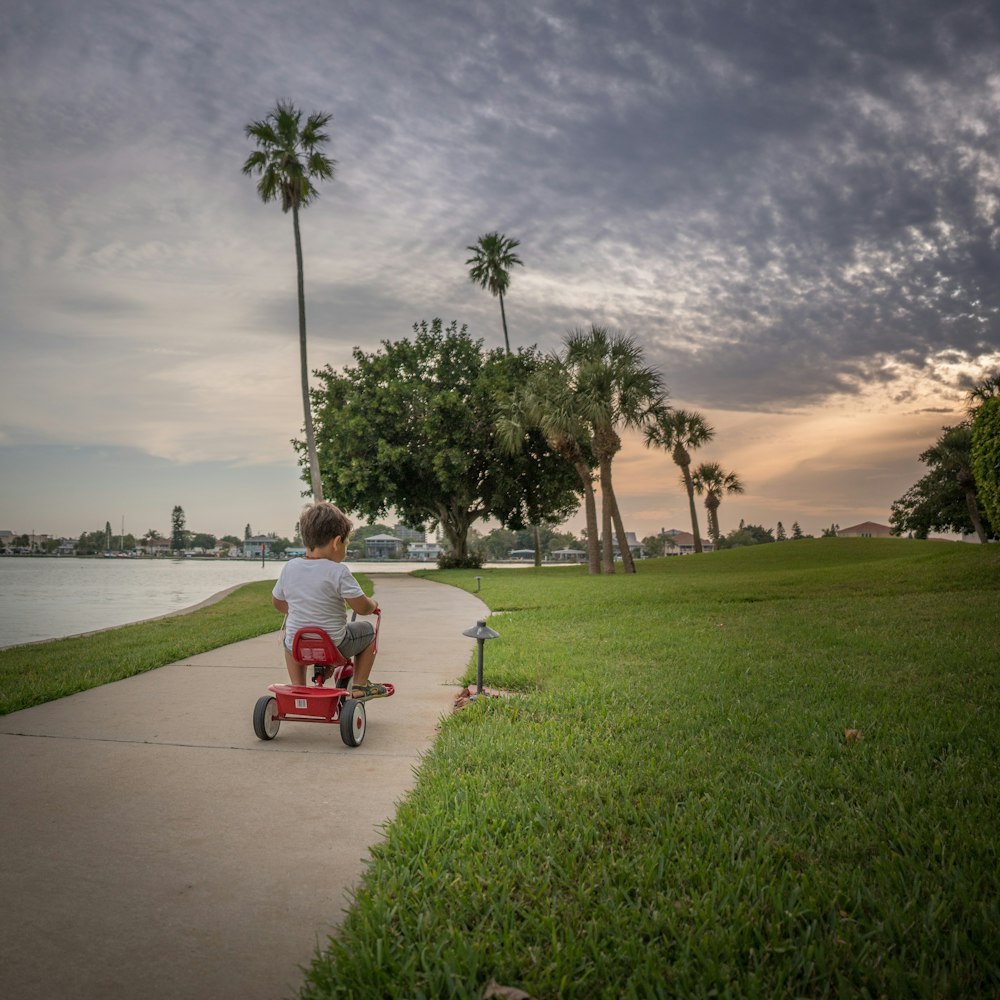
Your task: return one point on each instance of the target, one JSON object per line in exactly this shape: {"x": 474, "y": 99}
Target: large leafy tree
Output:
{"x": 289, "y": 160}
{"x": 952, "y": 453}
{"x": 984, "y": 412}
{"x": 547, "y": 402}
{"x": 679, "y": 432}
{"x": 490, "y": 266}
{"x": 613, "y": 389}
{"x": 714, "y": 482}
{"x": 944, "y": 499}
{"x": 412, "y": 427}
{"x": 986, "y": 457}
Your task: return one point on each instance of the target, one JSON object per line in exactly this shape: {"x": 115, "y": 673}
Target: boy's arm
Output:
{"x": 281, "y": 605}
{"x": 363, "y": 605}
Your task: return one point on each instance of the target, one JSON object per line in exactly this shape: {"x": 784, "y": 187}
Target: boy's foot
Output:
{"x": 369, "y": 690}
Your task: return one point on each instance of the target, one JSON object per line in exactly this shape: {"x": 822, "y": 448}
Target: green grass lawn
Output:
{"x": 43, "y": 671}
{"x": 669, "y": 807}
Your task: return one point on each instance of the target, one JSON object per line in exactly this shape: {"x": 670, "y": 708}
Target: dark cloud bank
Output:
{"x": 777, "y": 197}
{"x": 812, "y": 188}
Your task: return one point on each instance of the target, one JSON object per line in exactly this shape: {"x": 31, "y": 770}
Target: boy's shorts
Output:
{"x": 359, "y": 636}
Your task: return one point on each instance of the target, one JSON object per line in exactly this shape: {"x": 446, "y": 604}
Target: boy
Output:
{"x": 316, "y": 590}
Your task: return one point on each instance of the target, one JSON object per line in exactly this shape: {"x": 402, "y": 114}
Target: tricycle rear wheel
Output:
{"x": 265, "y": 718}
{"x": 352, "y": 722}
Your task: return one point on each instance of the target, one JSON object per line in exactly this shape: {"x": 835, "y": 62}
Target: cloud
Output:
{"x": 788, "y": 210}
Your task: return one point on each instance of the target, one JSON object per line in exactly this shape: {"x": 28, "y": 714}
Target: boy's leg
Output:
{"x": 296, "y": 670}
{"x": 363, "y": 663}
{"x": 359, "y": 643}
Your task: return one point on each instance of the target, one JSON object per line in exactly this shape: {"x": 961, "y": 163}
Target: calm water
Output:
{"x": 51, "y": 598}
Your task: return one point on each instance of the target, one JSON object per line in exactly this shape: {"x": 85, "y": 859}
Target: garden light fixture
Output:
{"x": 480, "y": 633}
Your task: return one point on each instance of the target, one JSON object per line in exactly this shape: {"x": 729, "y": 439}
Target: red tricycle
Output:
{"x": 302, "y": 703}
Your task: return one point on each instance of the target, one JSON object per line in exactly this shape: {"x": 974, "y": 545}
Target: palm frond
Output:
{"x": 491, "y": 261}
{"x": 286, "y": 157}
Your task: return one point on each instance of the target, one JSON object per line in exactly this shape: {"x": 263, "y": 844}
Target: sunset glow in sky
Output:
{"x": 794, "y": 207}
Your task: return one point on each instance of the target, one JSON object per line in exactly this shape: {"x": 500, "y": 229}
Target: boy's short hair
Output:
{"x": 321, "y": 523}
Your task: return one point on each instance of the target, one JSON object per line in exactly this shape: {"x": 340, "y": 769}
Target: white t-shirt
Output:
{"x": 316, "y": 591}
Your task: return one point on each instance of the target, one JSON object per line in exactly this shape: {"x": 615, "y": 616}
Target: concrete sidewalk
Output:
{"x": 151, "y": 846}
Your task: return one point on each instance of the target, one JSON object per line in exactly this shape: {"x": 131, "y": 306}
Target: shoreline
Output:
{"x": 214, "y": 599}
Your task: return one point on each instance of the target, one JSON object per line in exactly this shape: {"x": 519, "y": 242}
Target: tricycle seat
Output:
{"x": 313, "y": 645}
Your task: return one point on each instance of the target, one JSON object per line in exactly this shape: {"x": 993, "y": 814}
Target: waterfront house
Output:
{"x": 155, "y": 546}
{"x": 681, "y": 543}
{"x": 257, "y": 545}
{"x": 569, "y": 555}
{"x": 383, "y": 547}
{"x": 424, "y": 551}
{"x": 521, "y": 554}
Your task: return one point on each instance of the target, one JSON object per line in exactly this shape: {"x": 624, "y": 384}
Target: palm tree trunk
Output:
{"x": 628, "y": 563}
{"x": 713, "y": 521}
{"x": 538, "y": 546}
{"x": 590, "y": 509}
{"x": 503, "y": 319}
{"x": 607, "y": 499}
{"x": 317, "y": 483}
{"x": 694, "y": 511}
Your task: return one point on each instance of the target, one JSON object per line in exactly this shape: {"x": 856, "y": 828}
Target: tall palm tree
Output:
{"x": 710, "y": 479}
{"x": 492, "y": 258}
{"x": 676, "y": 431}
{"x": 613, "y": 388}
{"x": 288, "y": 159}
{"x": 548, "y": 402}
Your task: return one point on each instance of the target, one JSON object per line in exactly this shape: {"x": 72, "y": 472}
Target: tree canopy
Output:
{"x": 747, "y": 534}
{"x": 412, "y": 427}
{"x": 715, "y": 482}
{"x": 945, "y": 498}
{"x": 548, "y": 402}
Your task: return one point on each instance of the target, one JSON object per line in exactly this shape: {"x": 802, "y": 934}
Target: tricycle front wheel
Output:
{"x": 265, "y": 718}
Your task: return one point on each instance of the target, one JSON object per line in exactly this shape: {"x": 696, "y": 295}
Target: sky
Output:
{"x": 794, "y": 208}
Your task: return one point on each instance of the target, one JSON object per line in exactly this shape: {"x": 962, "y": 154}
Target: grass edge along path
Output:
{"x": 39, "y": 672}
{"x": 676, "y": 808}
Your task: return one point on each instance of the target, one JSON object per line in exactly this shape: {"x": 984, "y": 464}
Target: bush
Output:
{"x": 448, "y": 560}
